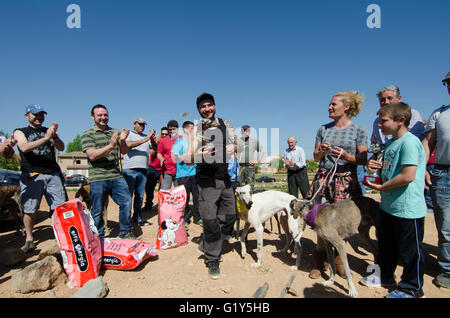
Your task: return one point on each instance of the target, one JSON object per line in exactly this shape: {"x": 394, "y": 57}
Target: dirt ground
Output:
{"x": 181, "y": 272}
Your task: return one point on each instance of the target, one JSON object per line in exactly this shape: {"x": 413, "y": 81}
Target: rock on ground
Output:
{"x": 38, "y": 276}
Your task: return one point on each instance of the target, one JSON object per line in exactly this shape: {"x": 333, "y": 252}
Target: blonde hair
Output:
{"x": 354, "y": 100}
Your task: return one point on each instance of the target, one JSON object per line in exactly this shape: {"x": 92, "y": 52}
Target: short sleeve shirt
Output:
{"x": 137, "y": 157}
{"x": 348, "y": 138}
{"x": 407, "y": 201}
{"x": 251, "y": 145}
{"x": 165, "y": 148}
{"x": 183, "y": 170}
{"x": 105, "y": 168}
{"x": 440, "y": 120}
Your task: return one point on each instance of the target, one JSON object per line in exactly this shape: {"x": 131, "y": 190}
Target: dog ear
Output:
{"x": 291, "y": 204}
{"x": 163, "y": 225}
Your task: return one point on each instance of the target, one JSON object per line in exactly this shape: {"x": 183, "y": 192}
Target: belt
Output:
{"x": 296, "y": 170}
{"x": 245, "y": 164}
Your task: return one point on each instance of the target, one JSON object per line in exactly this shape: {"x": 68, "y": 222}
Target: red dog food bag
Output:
{"x": 124, "y": 254}
{"x": 172, "y": 232}
{"x": 78, "y": 240}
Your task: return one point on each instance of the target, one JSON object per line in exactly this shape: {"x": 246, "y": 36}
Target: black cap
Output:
{"x": 203, "y": 97}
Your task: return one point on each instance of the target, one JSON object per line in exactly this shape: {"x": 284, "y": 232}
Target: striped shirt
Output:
{"x": 105, "y": 168}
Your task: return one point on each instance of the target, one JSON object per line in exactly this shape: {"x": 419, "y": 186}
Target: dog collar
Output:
{"x": 310, "y": 217}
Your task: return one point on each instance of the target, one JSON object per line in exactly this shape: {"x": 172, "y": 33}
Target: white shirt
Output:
{"x": 297, "y": 155}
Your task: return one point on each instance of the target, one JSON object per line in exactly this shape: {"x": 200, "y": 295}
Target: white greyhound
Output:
{"x": 258, "y": 208}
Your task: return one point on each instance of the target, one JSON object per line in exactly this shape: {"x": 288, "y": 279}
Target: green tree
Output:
{"x": 75, "y": 145}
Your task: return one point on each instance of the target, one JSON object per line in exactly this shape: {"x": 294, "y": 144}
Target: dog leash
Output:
{"x": 329, "y": 181}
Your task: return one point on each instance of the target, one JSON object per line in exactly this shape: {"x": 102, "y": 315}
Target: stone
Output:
{"x": 94, "y": 288}
{"x": 50, "y": 250}
{"x": 11, "y": 256}
{"x": 38, "y": 276}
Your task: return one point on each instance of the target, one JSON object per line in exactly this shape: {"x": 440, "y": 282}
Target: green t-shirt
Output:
{"x": 407, "y": 201}
{"x": 105, "y": 168}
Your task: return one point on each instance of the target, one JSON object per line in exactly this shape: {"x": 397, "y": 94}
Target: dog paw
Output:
{"x": 353, "y": 293}
{"x": 256, "y": 265}
{"x": 327, "y": 283}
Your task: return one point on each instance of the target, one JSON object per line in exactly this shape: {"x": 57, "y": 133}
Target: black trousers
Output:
{"x": 298, "y": 179}
{"x": 401, "y": 238}
{"x": 191, "y": 188}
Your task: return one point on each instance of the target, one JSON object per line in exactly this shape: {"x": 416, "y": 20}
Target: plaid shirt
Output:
{"x": 343, "y": 186}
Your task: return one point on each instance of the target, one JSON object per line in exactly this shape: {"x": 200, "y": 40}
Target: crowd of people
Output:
{"x": 209, "y": 160}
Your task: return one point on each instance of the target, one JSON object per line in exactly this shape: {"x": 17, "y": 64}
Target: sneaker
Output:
{"x": 128, "y": 236}
{"x": 143, "y": 223}
{"x": 442, "y": 280}
{"x": 400, "y": 294}
{"x": 213, "y": 270}
{"x": 29, "y": 246}
{"x": 374, "y": 281}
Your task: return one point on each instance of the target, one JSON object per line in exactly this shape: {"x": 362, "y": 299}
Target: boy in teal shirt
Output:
{"x": 403, "y": 207}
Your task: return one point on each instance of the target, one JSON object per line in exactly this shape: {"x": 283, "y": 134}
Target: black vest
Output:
{"x": 215, "y": 166}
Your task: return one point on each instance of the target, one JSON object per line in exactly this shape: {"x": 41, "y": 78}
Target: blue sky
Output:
{"x": 269, "y": 64}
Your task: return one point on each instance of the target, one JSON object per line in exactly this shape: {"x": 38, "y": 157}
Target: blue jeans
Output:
{"x": 136, "y": 180}
{"x": 118, "y": 190}
{"x": 440, "y": 195}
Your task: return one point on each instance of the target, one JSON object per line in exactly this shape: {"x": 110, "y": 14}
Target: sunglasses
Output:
{"x": 164, "y": 134}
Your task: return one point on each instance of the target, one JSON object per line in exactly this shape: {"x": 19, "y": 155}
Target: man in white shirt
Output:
{"x": 388, "y": 95}
{"x": 295, "y": 162}
{"x": 135, "y": 164}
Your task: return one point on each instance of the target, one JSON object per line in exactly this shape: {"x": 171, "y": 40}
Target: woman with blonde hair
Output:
{"x": 342, "y": 143}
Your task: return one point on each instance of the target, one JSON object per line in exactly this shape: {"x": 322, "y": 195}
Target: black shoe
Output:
{"x": 128, "y": 236}
{"x": 213, "y": 270}
{"x": 143, "y": 223}
{"x": 442, "y": 280}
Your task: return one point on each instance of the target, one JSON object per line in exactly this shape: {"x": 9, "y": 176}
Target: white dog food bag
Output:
{"x": 172, "y": 232}
{"x": 78, "y": 240}
{"x": 124, "y": 254}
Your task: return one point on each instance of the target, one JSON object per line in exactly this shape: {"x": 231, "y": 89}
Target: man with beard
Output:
{"x": 211, "y": 144}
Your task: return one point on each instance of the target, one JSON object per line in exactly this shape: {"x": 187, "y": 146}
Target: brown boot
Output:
{"x": 319, "y": 258}
{"x": 339, "y": 266}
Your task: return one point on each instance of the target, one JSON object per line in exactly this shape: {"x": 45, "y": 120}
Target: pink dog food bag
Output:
{"x": 172, "y": 232}
{"x": 78, "y": 240}
{"x": 125, "y": 254}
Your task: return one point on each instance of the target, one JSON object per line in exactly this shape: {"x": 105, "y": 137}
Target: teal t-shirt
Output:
{"x": 183, "y": 170}
{"x": 407, "y": 201}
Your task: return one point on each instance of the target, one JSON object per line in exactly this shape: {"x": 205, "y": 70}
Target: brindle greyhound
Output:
{"x": 334, "y": 223}
{"x": 11, "y": 194}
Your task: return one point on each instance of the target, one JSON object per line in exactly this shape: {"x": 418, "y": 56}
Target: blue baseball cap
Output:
{"x": 34, "y": 109}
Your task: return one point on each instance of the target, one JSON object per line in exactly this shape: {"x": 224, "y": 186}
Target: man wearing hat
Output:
{"x": 135, "y": 164}
{"x": 216, "y": 203}
{"x": 41, "y": 174}
{"x": 437, "y": 138}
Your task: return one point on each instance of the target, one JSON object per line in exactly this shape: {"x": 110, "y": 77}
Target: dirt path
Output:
{"x": 181, "y": 273}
